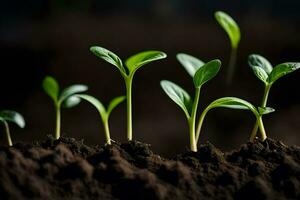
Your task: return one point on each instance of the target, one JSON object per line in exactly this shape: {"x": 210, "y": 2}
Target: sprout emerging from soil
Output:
{"x": 233, "y": 31}
{"x": 201, "y": 73}
{"x": 236, "y": 103}
{"x": 104, "y": 113}
{"x": 264, "y": 71}
{"x": 132, "y": 64}
{"x": 11, "y": 116}
{"x": 65, "y": 99}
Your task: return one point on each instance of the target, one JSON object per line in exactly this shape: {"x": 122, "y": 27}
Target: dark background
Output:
{"x": 52, "y": 37}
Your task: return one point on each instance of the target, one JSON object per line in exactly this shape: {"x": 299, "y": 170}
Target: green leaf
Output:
{"x": 51, "y": 87}
{"x": 265, "y": 110}
{"x": 230, "y": 27}
{"x": 190, "y": 63}
{"x": 96, "y": 103}
{"x": 233, "y": 103}
{"x": 281, "y": 70}
{"x": 71, "y": 90}
{"x": 260, "y": 73}
{"x": 12, "y": 116}
{"x": 255, "y": 60}
{"x": 109, "y": 57}
{"x": 206, "y": 72}
{"x": 138, "y": 60}
{"x": 178, "y": 95}
{"x": 114, "y": 103}
{"x": 71, "y": 101}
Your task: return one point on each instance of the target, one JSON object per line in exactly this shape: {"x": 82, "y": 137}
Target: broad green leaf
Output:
{"x": 260, "y": 73}
{"x": 178, "y": 95}
{"x": 114, "y": 103}
{"x": 51, "y": 87}
{"x": 281, "y": 70}
{"x": 255, "y": 60}
{"x": 190, "y": 63}
{"x": 71, "y": 101}
{"x": 233, "y": 103}
{"x": 230, "y": 27}
{"x": 265, "y": 110}
{"x": 12, "y": 116}
{"x": 109, "y": 57}
{"x": 138, "y": 60}
{"x": 206, "y": 72}
{"x": 71, "y": 90}
{"x": 96, "y": 103}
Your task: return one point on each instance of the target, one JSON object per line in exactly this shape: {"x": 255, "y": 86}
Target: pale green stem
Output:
{"x": 262, "y": 128}
{"x": 231, "y": 65}
{"x": 128, "y": 82}
{"x": 263, "y": 104}
{"x": 9, "y": 142}
{"x": 200, "y": 123}
{"x": 58, "y": 121}
{"x": 107, "y": 133}
{"x": 192, "y": 121}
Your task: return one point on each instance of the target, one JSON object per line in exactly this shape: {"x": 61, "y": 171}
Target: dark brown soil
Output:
{"x": 69, "y": 169}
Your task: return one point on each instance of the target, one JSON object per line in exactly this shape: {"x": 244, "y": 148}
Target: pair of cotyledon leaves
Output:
{"x": 71, "y": 97}
{"x": 132, "y": 64}
{"x": 12, "y": 116}
{"x": 201, "y": 73}
{"x": 263, "y": 69}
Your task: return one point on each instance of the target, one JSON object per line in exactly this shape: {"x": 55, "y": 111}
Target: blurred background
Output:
{"x": 52, "y": 37}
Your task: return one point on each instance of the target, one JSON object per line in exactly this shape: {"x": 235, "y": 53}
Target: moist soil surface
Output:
{"x": 69, "y": 169}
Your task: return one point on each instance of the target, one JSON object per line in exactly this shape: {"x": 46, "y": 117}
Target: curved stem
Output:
{"x": 263, "y": 104}
{"x": 192, "y": 120}
{"x": 107, "y": 133}
{"x": 200, "y": 123}
{"x": 231, "y": 65}
{"x": 128, "y": 82}
{"x": 58, "y": 122}
{"x": 262, "y": 129}
{"x": 9, "y": 142}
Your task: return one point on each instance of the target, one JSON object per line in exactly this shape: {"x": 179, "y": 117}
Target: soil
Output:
{"x": 69, "y": 169}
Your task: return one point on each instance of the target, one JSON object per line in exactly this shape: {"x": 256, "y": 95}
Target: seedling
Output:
{"x": 236, "y": 103}
{"x": 132, "y": 64}
{"x": 104, "y": 113}
{"x": 201, "y": 73}
{"x": 233, "y": 31}
{"x": 65, "y": 99}
{"x": 11, "y": 116}
{"x": 263, "y": 70}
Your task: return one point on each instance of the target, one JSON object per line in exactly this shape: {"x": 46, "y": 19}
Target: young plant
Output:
{"x": 201, "y": 73}
{"x": 11, "y": 116}
{"x": 264, "y": 71}
{"x": 233, "y": 31}
{"x": 236, "y": 103}
{"x": 104, "y": 113}
{"x": 65, "y": 98}
{"x": 132, "y": 64}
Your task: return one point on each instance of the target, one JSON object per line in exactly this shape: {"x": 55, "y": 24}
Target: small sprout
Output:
{"x": 233, "y": 31}
{"x": 11, "y": 116}
{"x": 65, "y": 99}
{"x": 201, "y": 73}
{"x": 264, "y": 71}
{"x": 236, "y": 103}
{"x": 104, "y": 113}
{"x": 132, "y": 64}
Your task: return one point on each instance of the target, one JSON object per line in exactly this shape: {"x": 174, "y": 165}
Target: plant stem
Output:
{"x": 58, "y": 121}
{"x": 262, "y": 128}
{"x": 128, "y": 82}
{"x": 107, "y": 133}
{"x": 200, "y": 123}
{"x": 263, "y": 104}
{"x": 192, "y": 121}
{"x": 9, "y": 142}
{"x": 231, "y": 65}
